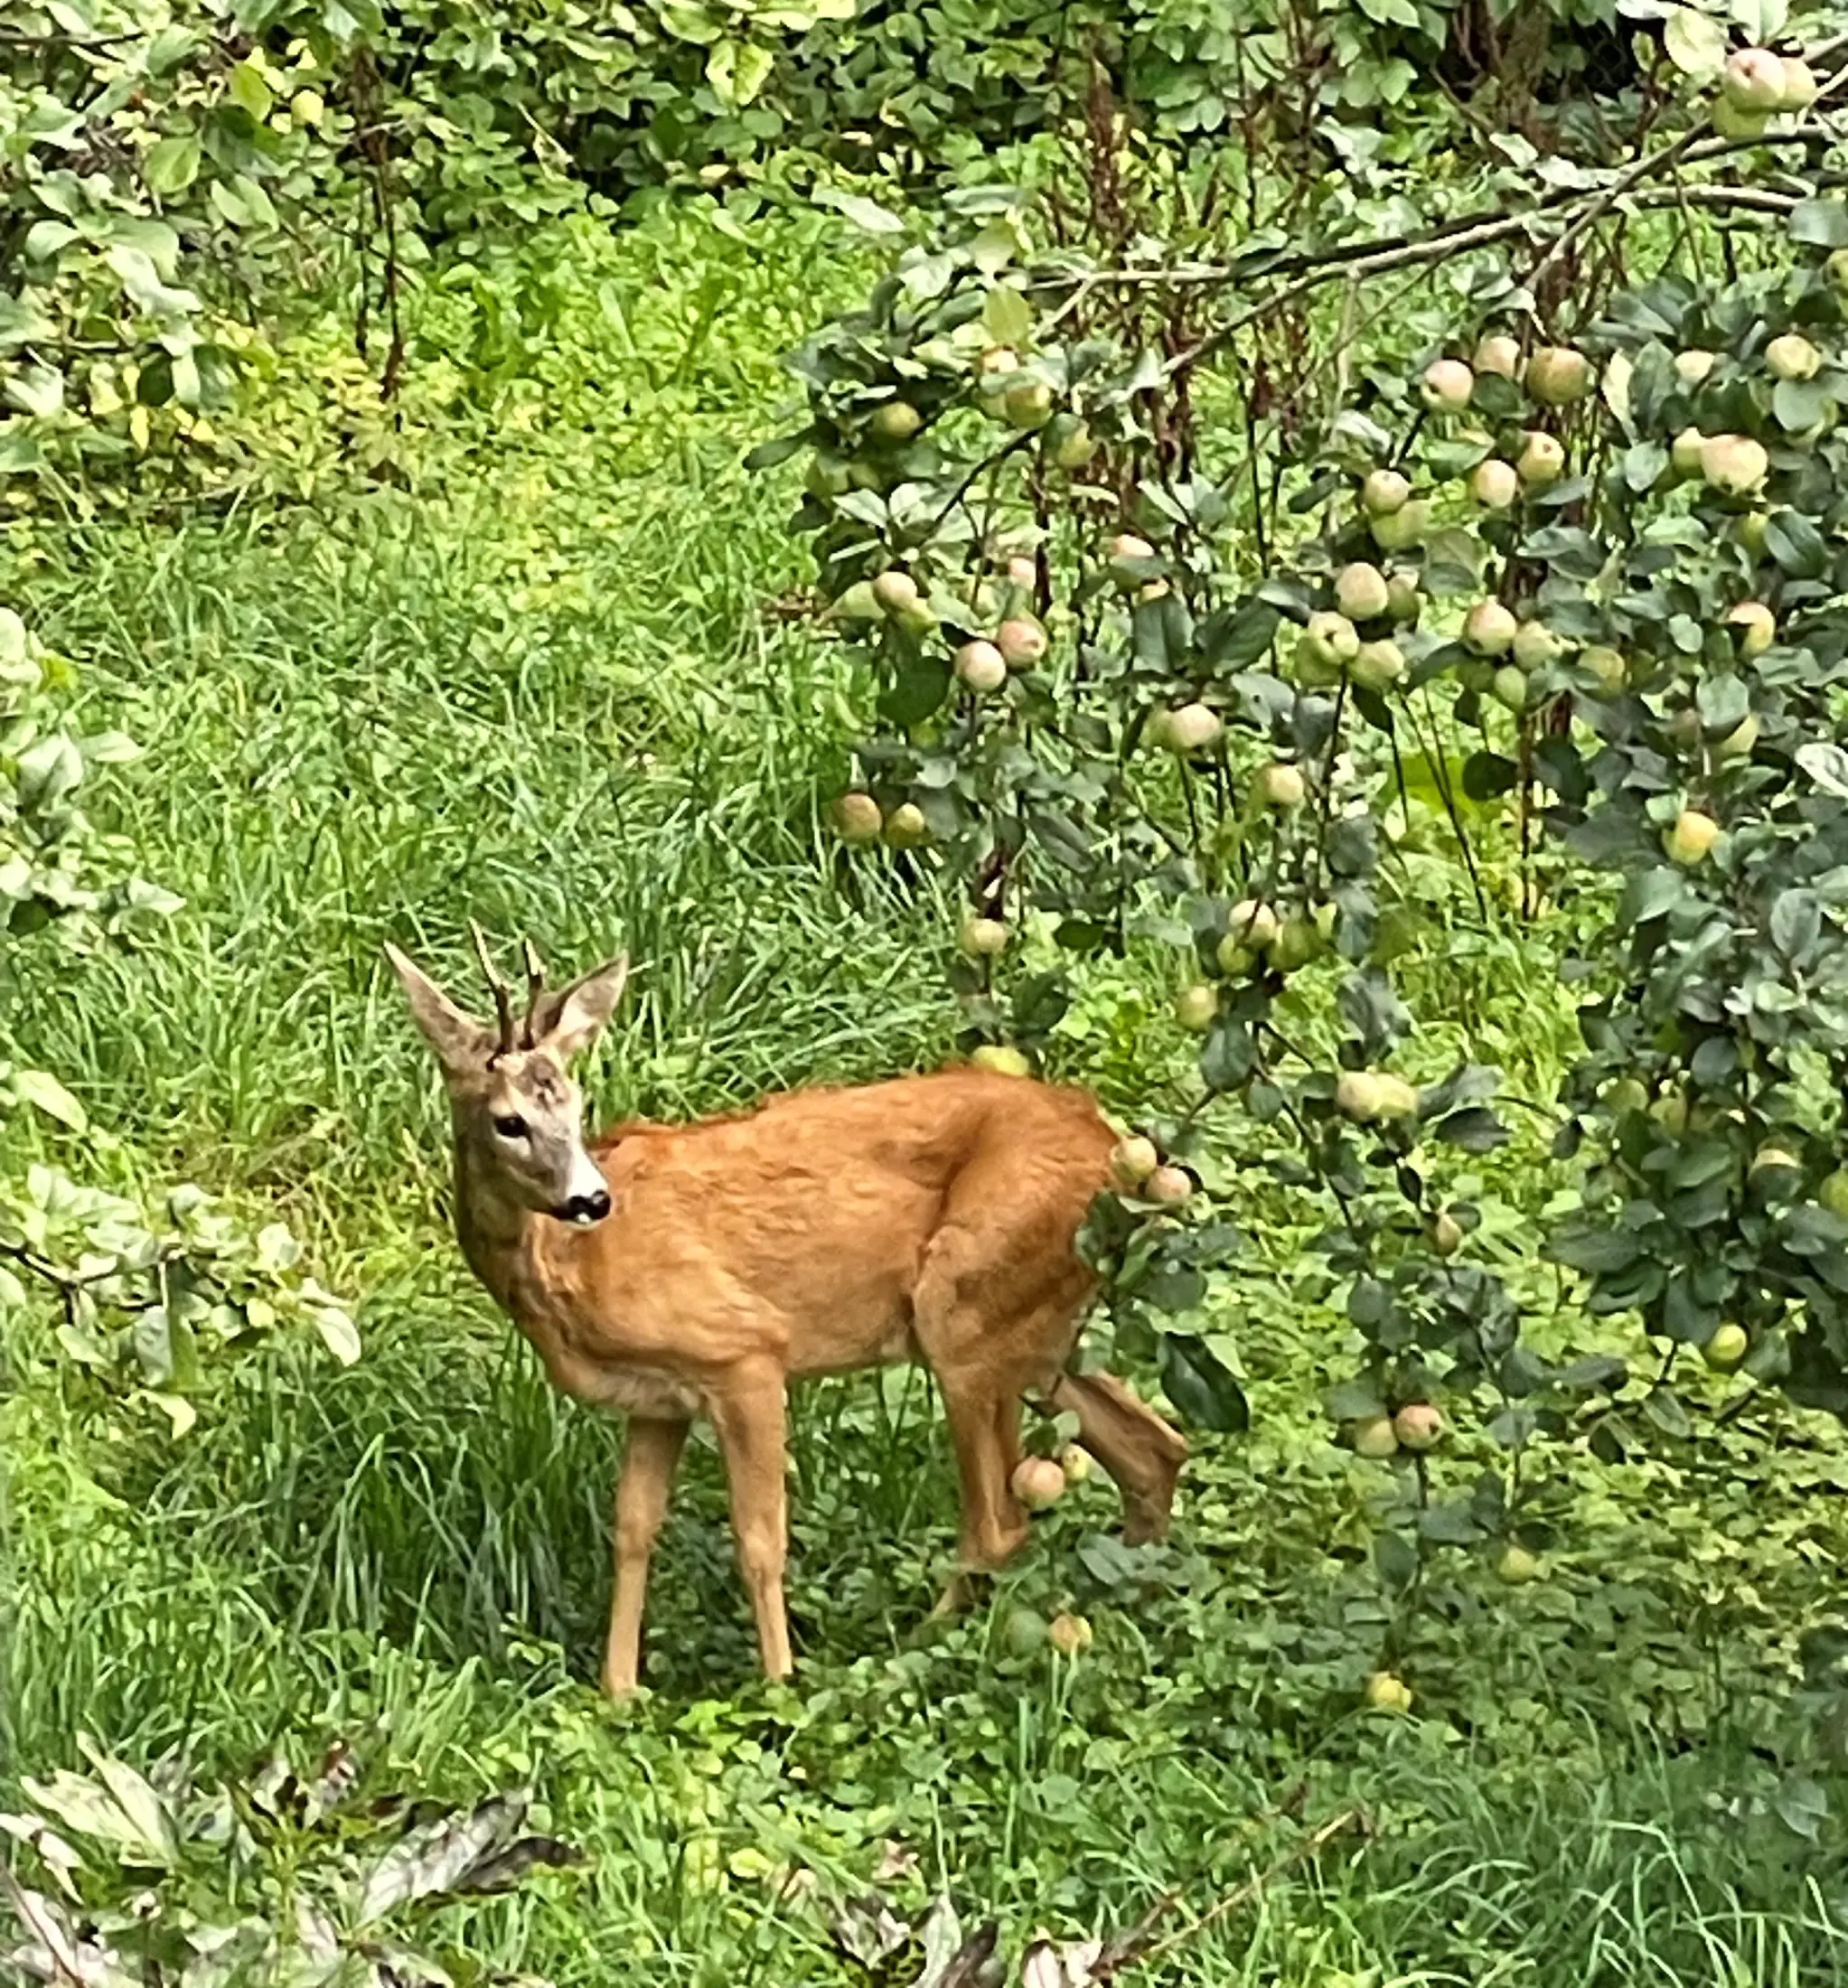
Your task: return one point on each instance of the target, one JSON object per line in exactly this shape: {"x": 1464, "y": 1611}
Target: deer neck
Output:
{"x": 499, "y": 1238}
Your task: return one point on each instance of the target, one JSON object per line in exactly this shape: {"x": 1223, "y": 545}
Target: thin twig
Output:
{"x": 1299, "y": 1852}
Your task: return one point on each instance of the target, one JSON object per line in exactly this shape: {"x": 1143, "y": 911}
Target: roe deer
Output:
{"x": 675, "y": 1271}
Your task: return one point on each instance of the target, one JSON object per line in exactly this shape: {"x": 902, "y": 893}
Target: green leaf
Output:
{"x": 862, "y": 212}
{"x": 1802, "y": 1807}
{"x": 1695, "y": 42}
{"x": 1201, "y": 1387}
{"x": 250, "y": 91}
{"x": 1007, "y": 316}
{"x": 1395, "y": 1560}
{"x": 1355, "y": 1400}
{"x": 338, "y": 1333}
{"x": 1796, "y": 545}
{"x": 1820, "y": 224}
{"x": 172, "y": 165}
{"x": 1827, "y": 765}
{"x": 42, "y": 1090}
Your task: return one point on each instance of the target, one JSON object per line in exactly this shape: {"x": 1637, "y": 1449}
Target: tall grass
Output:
{"x": 554, "y": 703}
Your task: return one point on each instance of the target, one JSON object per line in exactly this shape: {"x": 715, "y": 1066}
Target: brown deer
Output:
{"x": 675, "y": 1271}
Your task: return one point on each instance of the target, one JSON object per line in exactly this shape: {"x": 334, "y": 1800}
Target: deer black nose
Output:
{"x": 586, "y": 1209}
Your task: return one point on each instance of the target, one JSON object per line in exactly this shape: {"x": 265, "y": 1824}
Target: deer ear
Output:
{"x": 460, "y": 1041}
{"x": 570, "y": 1020}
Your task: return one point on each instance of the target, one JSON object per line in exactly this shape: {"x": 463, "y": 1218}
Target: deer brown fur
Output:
{"x": 673, "y": 1272}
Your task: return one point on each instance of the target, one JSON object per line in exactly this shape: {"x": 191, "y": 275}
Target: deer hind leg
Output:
{"x": 649, "y": 1463}
{"x": 1141, "y": 1451}
{"x": 749, "y": 1417}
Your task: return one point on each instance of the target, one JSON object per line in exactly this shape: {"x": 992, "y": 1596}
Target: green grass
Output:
{"x": 542, "y": 691}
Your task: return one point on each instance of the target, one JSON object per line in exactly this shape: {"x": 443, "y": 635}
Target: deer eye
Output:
{"x": 511, "y": 1127}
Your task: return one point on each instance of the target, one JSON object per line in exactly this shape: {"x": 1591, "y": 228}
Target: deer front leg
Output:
{"x": 643, "y": 1489}
{"x": 749, "y": 1413}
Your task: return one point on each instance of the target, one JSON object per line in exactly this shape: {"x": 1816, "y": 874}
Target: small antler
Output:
{"x": 535, "y": 989}
{"x": 502, "y": 993}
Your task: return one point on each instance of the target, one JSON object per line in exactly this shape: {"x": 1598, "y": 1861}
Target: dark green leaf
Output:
{"x": 1201, "y": 1387}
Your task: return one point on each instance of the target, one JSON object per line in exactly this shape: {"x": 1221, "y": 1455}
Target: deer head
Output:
{"x": 519, "y": 1117}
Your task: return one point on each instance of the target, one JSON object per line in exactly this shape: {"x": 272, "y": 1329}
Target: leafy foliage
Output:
{"x": 1091, "y": 711}
{"x": 279, "y": 1878}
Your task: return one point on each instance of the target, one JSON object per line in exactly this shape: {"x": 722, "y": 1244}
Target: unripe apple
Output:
{"x": 1192, "y": 729}
{"x": 896, "y": 421}
{"x": 827, "y": 475}
{"x": 1074, "y": 446}
{"x": 1075, "y": 1462}
{"x": 1833, "y": 1193}
{"x": 1755, "y": 624}
{"x": 1535, "y": 645}
{"x": 1125, "y": 546}
{"x": 1793, "y": 357}
{"x": 1542, "y": 461}
{"x": 1360, "y": 591}
{"x": 1734, "y": 464}
{"x": 1490, "y": 628}
{"x": 997, "y": 362}
{"x": 1253, "y": 925}
{"x": 1495, "y": 485}
{"x": 1021, "y": 641}
{"x": 983, "y": 938}
{"x": 1383, "y": 491}
{"x": 1038, "y": 1483}
{"x": 1684, "y": 452}
{"x": 1727, "y": 1347}
{"x": 905, "y": 826}
{"x": 1799, "y": 84}
{"x": 1692, "y": 835}
{"x": 1739, "y": 742}
{"x": 1508, "y": 687}
{"x": 1445, "y": 1234}
{"x": 1607, "y": 665}
{"x": 1516, "y": 1565}
{"x": 1385, "y": 1692}
{"x": 1132, "y": 1160}
{"x": 1752, "y": 529}
{"x": 982, "y": 666}
{"x": 1357, "y": 1096}
{"x": 1001, "y": 1060}
{"x": 1374, "y": 1437}
{"x": 896, "y": 591}
{"x": 1730, "y": 122}
{"x": 1281, "y": 786}
{"x": 1020, "y": 571}
{"x": 1448, "y": 385}
{"x": 1397, "y": 1098}
{"x": 858, "y": 817}
{"x": 1418, "y": 1426}
{"x": 1403, "y": 601}
{"x": 1753, "y": 80}
{"x": 1378, "y": 665}
{"x": 1168, "y": 1186}
{"x": 1028, "y": 404}
{"x": 1331, "y": 638}
{"x": 1498, "y": 353}
{"x": 1694, "y": 365}
{"x": 1624, "y": 1094}
{"x": 1558, "y": 375}
{"x": 1295, "y": 946}
{"x": 1070, "y": 1635}
{"x": 1196, "y": 1008}
{"x": 1404, "y": 528}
